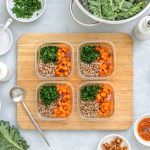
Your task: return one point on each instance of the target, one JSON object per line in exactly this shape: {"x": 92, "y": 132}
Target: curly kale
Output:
{"x": 48, "y": 54}
{"x": 85, "y": 4}
{"x": 48, "y": 94}
{"x": 26, "y": 8}
{"x": 89, "y": 92}
{"x": 10, "y": 138}
{"x": 114, "y": 9}
{"x": 89, "y": 54}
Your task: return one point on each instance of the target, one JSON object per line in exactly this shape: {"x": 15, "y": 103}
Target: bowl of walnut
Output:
{"x": 114, "y": 142}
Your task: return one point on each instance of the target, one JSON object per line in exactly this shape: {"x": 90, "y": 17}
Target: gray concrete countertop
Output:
{"x": 57, "y": 19}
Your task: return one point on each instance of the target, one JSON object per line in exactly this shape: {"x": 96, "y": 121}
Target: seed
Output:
{"x": 46, "y": 111}
{"x": 46, "y": 70}
{"x": 90, "y": 70}
{"x": 89, "y": 109}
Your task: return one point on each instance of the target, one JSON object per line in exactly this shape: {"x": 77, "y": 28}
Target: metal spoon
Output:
{"x": 17, "y": 94}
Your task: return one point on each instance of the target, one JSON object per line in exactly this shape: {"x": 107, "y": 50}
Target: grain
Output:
{"x": 90, "y": 70}
{"x": 47, "y": 111}
{"x": 89, "y": 109}
{"x": 46, "y": 70}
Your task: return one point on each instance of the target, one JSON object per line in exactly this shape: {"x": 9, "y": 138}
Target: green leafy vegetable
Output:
{"x": 48, "y": 54}
{"x": 89, "y": 54}
{"x": 85, "y": 4}
{"x": 114, "y": 9}
{"x": 89, "y": 92}
{"x": 26, "y": 8}
{"x": 49, "y": 94}
{"x": 10, "y": 138}
{"x": 136, "y": 8}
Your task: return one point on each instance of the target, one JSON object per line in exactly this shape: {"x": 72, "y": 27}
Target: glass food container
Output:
{"x": 96, "y": 100}
{"x": 101, "y": 68}
{"x": 59, "y": 109}
{"x": 54, "y": 61}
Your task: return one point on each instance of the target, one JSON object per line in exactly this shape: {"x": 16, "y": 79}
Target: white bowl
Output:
{"x": 143, "y": 142}
{"x": 99, "y": 20}
{"x": 10, "y": 4}
{"x": 111, "y": 137}
{"x": 7, "y": 30}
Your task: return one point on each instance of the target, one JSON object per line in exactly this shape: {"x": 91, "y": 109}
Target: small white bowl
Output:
{"x": 111, "y": 137}
{"x": 10, "y": 4}
{"x": 9, "y": 33}
{"x": 143, "y": 142}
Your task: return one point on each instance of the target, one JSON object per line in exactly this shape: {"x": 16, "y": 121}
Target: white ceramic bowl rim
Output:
{"x": 146, "y": 143}
{"x": 11, "y": 40}
{"x": 111, "y": 136}
{"x": 26, "y": 20}
{"x": 111, "y": 22}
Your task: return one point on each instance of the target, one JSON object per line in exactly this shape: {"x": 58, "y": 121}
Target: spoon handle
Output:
{"x": 35, "y": 124}
{"x": 9, "y": 21}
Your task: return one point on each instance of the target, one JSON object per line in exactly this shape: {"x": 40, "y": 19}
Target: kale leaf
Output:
{"x": 10, "y": 138}
{"x": 89, "y": 54}
{"x": 49, "y": 94}
{"x": 26, "y": 8}
{"x": 136, "y": 8}
{"x": 48, "y": 54}
{"x": 116, "y": 9}
{"x": 89, "y": 92}
{"x": 85, "y": 4}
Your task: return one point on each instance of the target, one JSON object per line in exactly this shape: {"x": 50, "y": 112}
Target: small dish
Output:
{"x": 142, "y": 141}
{"x": 90, "y": 109}
{"x": 7, "y": 37}
{"x": 109, "y": 138}
{"x": 36, "y": 15}
{"x": 62, "y": 108}
{"x": 99, "y": 68}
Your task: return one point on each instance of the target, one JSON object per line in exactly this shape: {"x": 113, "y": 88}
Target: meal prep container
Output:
{"x": 10, "y": 4}
{"x": 96, "y": 43}
{"x": 109, "y": 138}
{"x": 143, "y": 142}
{"x": 96, "y": 83}
{"x": 52, "y": 83}
{"x": 99, "y": 20}
{"x": 37, "y": 56}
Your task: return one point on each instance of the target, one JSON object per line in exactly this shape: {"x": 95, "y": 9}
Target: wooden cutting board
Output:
{"x": 122, "y": 80}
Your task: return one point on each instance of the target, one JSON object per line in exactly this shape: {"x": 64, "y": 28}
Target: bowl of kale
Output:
{"x": 26, "y": 10}
{"x": 113, "y": 11}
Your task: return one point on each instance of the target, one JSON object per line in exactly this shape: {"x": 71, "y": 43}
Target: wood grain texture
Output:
{"x": 122, "y": 80}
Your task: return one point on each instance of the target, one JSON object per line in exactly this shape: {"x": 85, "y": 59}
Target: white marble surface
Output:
{"x": 58, "y": 19}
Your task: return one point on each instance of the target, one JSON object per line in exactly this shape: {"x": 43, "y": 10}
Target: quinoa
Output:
{"x": 46, "y": 111}
{"x": 90, "y": 70}
{"x": 46, "y": 70}
{"x": 89, "y": 109}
